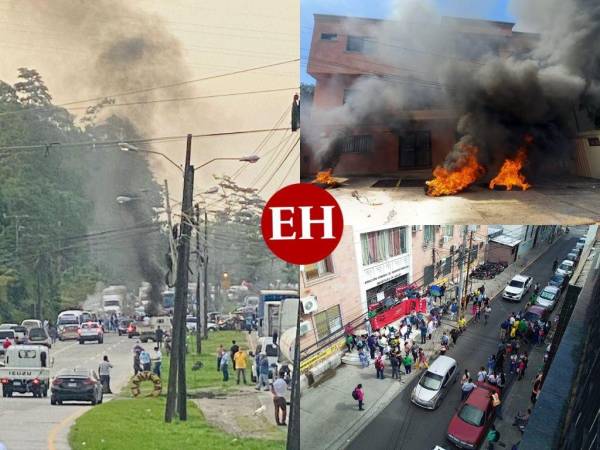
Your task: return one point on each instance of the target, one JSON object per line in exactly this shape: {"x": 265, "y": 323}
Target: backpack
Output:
{"x": 355, "y": 394}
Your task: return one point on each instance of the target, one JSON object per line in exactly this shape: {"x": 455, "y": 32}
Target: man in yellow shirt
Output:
{"x": 240, "y": 359}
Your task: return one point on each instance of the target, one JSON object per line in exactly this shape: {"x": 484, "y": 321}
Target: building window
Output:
{"x": 317, "y": 270}
{"x": 329, "y": 36}
{"x": 449, "y": 230}
{"x": 347, "y": 94}
{"x": 358, "y": 144}
{"x": 415, "y": 149}
{"x": 428, "y": 234}
{"x": 360, "y": 44}
{"x": 382, "y": 245}
{"x": 328, "y": 321}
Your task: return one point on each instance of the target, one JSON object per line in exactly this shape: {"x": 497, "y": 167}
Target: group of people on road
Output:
{"x": 237, "y": 358}
{"x": 143, "y": 361}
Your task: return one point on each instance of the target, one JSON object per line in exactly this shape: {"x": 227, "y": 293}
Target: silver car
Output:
{"x": 435, "y": 383}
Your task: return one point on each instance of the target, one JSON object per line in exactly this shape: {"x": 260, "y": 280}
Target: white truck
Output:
{"x": 114, "y": 299}
{"x": 26, "y": 369}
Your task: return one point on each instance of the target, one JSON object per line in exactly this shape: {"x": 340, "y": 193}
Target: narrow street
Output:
{"x": 402, "y": 425}
{"x": 33, "y": 424}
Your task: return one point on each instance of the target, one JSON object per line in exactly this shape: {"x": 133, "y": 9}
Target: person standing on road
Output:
{"x": 145, "y": 360}
{"x": 466, "y": 389}
{"x": 430, "y": 329}
{"x": 422, "y": 359}
{"x": 239, "y": 360}
{"x": 232, "y": 351}
{"x": 554, "y": 266}
{"x": 359, "y": 395}
{"x": 462, "y": 324}
{"x": 157, "y": 360}
{"x": 137, "y": 365}
{"x": 395, "y": 363}
{"x": 481, "y": 375}
{"x": 423, "y": 330}
{"x": 104, "y": 372}
{"x": 454, "y": 335}
{"x": 225, "y": 360}
{"x": 497, "y": 404}
{"x": 263, "y": 372}
{"x": 537, "y": 387}
{"x": 364, "y": 359}
{"x": 487, "y": 310}
{"x": 278, "y": 389}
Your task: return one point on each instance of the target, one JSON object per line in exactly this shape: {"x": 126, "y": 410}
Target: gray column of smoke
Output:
{"x": 497, "y": 100}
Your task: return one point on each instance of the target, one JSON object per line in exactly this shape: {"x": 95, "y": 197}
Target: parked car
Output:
{"x": 536, "y": 313}
{"x": 38, "y": 336}
{"x": 560, "y": 281}
{"x": 91, "y": 331}
{"x": 517, "y": 288}
{"x": 548, "y": 297}
{"x": 32, "y": 323}
{"x": 8, "y": 326}
{"x": 573, "y": 256}
{"x": 190, "y": 323}
{"x": 470, "y": 423}
{"x": 20, "y": 333}
{"x": 76, "y": 385}
{"x": 10, "y": 334}
{"x": 435, "y": 383}
{"x": 566, "y": 267}
{"x": 123, "y": 326}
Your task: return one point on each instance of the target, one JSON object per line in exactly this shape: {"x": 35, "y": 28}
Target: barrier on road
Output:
{"x": 140, "y": 377}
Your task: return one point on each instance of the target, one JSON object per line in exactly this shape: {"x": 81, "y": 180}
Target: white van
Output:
{"x": 566, "y": 268}
{"x": 435, "y": 383}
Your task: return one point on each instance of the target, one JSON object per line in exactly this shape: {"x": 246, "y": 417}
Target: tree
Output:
{"x": 32, "y": 91}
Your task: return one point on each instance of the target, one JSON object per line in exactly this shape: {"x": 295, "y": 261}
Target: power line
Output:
{"x": 284, "y": 159}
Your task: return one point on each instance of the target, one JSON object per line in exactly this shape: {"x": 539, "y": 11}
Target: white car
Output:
{"x": 517, "y": 288}
{"x": 435, "y": 383}
{"x": 548, "y": 297}
{"x": 190, "y": 323}
{"x": 566, "y": 268}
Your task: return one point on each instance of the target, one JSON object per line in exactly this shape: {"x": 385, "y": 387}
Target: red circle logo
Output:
{"x": 302, "y": 223}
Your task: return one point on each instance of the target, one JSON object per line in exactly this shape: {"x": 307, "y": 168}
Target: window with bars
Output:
{"x": 357, "y": 144}
{"x": 428, "y": 234}
{"x": 317, "y": 270}
{"x": 328, "y": 321}
{"x": 329, "y": 36}
{"x": 360, "y": 44}
{"x": 381, "y": 245}
{"x": 449, "y": 230}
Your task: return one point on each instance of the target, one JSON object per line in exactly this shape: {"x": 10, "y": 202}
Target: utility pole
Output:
{"x": 461, "y": 273}
{"x": 205, "y": 299}
{"x": 172, "y": 247}
{"x": 177, "y": 392}
{"x": 468, "y": 260}
{"x": 293, "y": 436}
{"x": 198, "y": 266}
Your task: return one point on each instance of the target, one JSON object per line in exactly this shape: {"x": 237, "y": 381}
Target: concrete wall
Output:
{"x": 587, "y": 156}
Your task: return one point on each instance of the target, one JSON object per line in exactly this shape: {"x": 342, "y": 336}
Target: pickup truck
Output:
{"x": 147, "y": 328}
{"x": 26, "y": 369}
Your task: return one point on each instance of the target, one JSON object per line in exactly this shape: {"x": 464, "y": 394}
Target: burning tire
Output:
{"x": 138, "y": 379}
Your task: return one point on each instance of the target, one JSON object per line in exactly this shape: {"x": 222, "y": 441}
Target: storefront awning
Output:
{"x": 506, "y": 240}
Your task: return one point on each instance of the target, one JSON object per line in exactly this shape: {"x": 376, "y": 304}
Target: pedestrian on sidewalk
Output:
{"x": 422, "y": 360}
{"x": 453, "y": 310}
{"x": 349, "y": 343}
{"x": 395, "y": 362}
{"x": 157, "y": 360}
{"x": 466, "y": 389}
{"x": 503, "y": 329}
{"x": 278, "y": 389}
{"x": 363, "y": 358}
{"x": 474, "y": 310}
{"x": 513, "y": 363}
{"x": 491, "y": 363}
{"x": 407, "y": 362}
{"x": 372, "y": 344}
{"x": 462, "y": 324}
{"x": 379, "y": 366}
{"x": 537, "y": 387}
{"x": 145, "y": 360}
{"x": 240, "y": 360}
{"x": 478, "y": 311}
{"x": 225, "y": 360}
{"x": 359, "y": 395}
{"x": 430, "y": 329}
{"x": 501, "y": 380}
{"x": 487, "y": 310}
{"x": 423, "y": 330}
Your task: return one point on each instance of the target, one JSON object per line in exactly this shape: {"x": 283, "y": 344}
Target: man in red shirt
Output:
{"x": 6, "y": 343}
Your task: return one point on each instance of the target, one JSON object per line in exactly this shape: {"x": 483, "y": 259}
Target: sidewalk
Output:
{"x": 329, "y": 415}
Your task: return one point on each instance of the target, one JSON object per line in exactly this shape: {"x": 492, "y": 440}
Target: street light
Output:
{"x": 125, "y": 147}
{"x": 121, "y": 199}
{"x": 249, "y": 159}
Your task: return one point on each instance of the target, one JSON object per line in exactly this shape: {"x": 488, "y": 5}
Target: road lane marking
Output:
{"x": 60, "y": 426}
{"x": 64, "y": 348}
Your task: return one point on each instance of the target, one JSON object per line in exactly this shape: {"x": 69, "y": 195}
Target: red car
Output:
{"x": 470, "y": 424}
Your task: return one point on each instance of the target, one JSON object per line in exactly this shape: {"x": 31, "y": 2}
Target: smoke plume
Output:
{"x": 500, "y": 89}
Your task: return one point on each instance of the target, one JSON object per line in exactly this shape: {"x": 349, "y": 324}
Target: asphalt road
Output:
{"x": 28, "y": 423}
{"x": 402, "y": 425}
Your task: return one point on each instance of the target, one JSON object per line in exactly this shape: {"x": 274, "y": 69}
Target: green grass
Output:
{"x": 208, "y": 376}
{"x": 126, "y": 424}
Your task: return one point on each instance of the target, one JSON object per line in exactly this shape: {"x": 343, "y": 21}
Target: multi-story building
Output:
{"x": 371, "y": 262}
{"x": 509, "y": 242}
{"x": 343, "y": 49}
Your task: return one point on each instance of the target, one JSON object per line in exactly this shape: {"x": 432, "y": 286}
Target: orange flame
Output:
{"x": 448, "y": 182}
{"x": 325, "y": 177}
{"x": 510, "y": 173}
